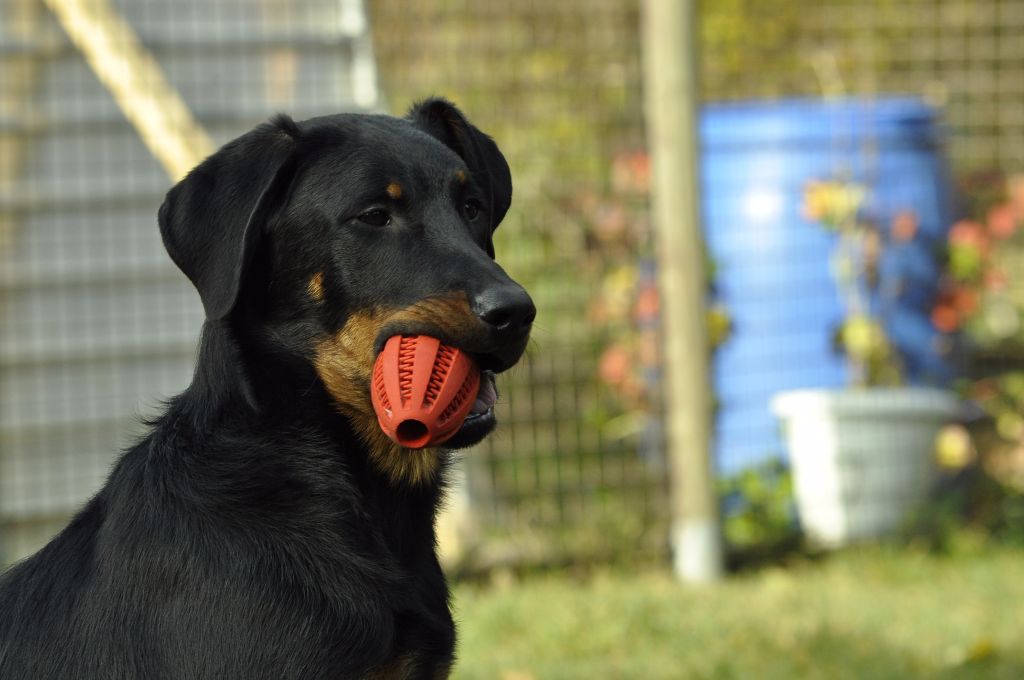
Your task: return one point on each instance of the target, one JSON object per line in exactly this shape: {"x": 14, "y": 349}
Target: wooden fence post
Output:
{"x": 670, "y": 84}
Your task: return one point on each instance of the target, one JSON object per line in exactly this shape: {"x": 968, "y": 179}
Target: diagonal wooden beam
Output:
{"x": 138, "y": 84}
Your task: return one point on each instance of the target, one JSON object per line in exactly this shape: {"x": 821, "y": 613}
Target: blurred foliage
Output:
{"x": 758, "y": 514}
{"x": 836, "y": 205}
{"x": 777, "y": 48}
{"x": 624, "y": 309}
{"x": 979, "y": 306}
{"x": 575, "y": 465}
{"x": 986, "y": 250}
{"x": 960, "y": 55}
{"x": 1001, "y": 444}
{"x": 559, "y": 87}
{"x": 741, "y": 39}
{"x": 984, "y": 302}
{"x": 975, "y": 501}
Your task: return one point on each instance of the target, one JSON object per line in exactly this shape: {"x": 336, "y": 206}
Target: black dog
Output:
{"x": 266, "y": 528}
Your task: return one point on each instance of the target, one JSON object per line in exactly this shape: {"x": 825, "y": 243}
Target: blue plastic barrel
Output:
{"x": 772, "y": 265}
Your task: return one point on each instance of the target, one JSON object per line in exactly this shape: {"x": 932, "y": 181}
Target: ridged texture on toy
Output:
{"x": 422, "y": 390}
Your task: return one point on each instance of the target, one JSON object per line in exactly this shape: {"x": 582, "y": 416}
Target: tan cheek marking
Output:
{"x": 344, "y": 363}
{"x": 315, "y": 287}
{"x": 395, "y": 190}
{"x": 450, "y": 313}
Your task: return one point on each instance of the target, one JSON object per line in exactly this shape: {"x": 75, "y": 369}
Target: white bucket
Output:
{"x": 862, "y": 459}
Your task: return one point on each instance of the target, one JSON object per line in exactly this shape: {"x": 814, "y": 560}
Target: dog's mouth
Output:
{"x": 491, "y": 355}
{"x": 429, "y": 394}
{"x": 481, "y": 420}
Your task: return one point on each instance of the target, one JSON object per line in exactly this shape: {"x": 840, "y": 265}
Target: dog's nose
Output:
{"x": 507, "y": 309}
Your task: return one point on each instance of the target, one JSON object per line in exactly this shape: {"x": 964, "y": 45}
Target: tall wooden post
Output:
{"x": 670, "y": 80}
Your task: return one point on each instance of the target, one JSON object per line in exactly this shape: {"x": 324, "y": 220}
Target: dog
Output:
{"x": 265, "y": 527}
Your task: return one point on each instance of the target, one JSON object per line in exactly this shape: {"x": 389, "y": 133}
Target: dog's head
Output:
{"x": 319, "y": 240}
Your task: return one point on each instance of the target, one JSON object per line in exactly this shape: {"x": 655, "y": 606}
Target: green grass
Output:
{"x": 875, "y": 614}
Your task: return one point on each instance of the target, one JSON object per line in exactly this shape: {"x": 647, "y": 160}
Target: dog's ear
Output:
{"x": 212, "y": 220}
{"x": 442, "y": 120}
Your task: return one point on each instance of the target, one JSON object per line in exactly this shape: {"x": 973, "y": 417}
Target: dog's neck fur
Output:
{"x": 223, "y": 516}
{"x": 266, "y": 542}
{"x": 313, "y": 444}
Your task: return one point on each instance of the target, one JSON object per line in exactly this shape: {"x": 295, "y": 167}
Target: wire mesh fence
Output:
{"x": 564, "y": 475}
{"x": 98, "y": 326}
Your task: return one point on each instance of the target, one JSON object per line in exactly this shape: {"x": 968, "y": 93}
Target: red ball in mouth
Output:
{"x": 422, "y": 390}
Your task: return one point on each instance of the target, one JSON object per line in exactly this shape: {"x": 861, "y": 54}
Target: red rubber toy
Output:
{"x": 422, "y": 390}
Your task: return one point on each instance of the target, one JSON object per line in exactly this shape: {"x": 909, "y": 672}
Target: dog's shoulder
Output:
{"x": 257, "y": 578}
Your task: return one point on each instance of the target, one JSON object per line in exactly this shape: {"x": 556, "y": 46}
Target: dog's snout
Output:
{"x": 508, "y": 309}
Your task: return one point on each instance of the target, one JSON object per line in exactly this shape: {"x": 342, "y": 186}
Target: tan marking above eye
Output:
{"x": 395, "y": 190}
{"x": 461, "y": 176}
{"x": 315, "y": 287}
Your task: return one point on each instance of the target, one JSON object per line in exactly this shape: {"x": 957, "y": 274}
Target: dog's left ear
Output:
{"x": 442, "y": 120}
{"x": 213, "y": 220}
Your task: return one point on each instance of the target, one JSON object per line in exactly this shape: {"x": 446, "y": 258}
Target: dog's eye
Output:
{"x": 375, "y": 218}
{"x": 471, "y": 209}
